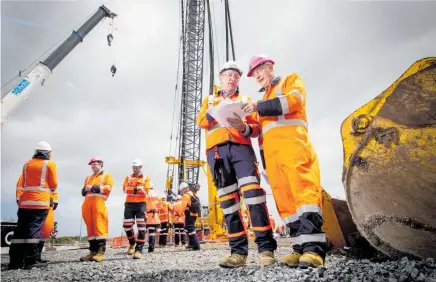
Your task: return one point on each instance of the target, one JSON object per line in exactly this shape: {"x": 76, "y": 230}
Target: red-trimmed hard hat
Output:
{"x": 95, "y": 159}
{"x": 256, "y": 61}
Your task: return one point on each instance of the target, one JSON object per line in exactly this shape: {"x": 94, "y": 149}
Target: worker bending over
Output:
{"x": 134, "y": 208}
{"x": 179, "y": 222}
{"x": 290, "y": 159}
{"x": 152, "y": 212}
{"x": 35, "y": 189}
{"x": 164, "y": 216}
{"x": 96, "y": 190}
{"x": 233, "y": 164}
{"x": 192, "y": 208}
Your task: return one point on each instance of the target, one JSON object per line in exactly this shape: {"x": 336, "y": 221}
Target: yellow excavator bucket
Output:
{"x": 389, "y": 170}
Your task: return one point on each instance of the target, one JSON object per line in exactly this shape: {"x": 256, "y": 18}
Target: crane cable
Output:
{"x": 176, "y": 92}
{"x": 20, "y": 73}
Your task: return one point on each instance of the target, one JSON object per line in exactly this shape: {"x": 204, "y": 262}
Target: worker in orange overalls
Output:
{"x": 35, "y": 189}
{"x": 152, "y": 212}
{"x": 134, "y": 208}
{"x": 164, "y": 216}
{"x": 96, "y": 190}
{"x": 290, "y": 159}
{"x": 192, "y": 208}
{"x": 48, "y": 224}
{"x": 179, "y": 222}
{"x": 233, "y": 164}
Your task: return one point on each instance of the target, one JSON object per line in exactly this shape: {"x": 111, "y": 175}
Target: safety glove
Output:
{"x": 95, "y": 189}
{"x": 83, "y": 192}
{"x": 55, "y": 206}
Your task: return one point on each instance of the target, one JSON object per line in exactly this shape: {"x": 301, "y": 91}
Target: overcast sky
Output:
{"x": 347, "y": 52}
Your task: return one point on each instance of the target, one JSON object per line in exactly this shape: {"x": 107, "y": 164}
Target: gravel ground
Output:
{"x": 171, "y": 264}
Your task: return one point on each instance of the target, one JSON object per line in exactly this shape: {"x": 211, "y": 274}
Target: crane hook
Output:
{"x": 113, "y": 70}
{"x": 110, "y": 38}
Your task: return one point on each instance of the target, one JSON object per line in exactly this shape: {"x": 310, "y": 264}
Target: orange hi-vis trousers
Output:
{"x": 95, "y": 215}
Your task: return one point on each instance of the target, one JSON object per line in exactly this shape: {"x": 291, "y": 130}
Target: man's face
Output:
{"x": 229, "y": 80}
{"x": 263, "y": 75}
{"x": 136, "y": 169}
{"x": 96, "y": 167}
{"x": 184, "y": 190}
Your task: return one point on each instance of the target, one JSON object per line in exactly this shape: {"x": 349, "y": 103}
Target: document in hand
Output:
{"x": 227, "y": 109}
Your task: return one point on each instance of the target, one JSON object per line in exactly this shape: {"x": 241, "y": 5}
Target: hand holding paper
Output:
{"x": 225, "y": 110}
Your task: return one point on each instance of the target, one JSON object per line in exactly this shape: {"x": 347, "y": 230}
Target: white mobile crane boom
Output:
{"x": 14, "y": 98}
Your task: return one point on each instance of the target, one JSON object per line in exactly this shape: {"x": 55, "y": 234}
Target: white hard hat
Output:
{"x": 43, "y": 146}
{"x": 178, "y": 197}
{"x": 183, "y": 185}
{"x": 231, "y": 65}
{"x": 151, "y": 185}
{"x": 136, "y": 162}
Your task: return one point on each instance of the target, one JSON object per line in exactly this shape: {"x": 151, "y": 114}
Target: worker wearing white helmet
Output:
{"x": 96, "y": 190}
{"x": 164, "y": 215}
{"x": 36, "y": 188}
{"x": 290, "y": 159}
{"x": 232, "y": 161}
{"x": 192, "y": 209}
{"x": 152, "y": 202}
{"x": 179, "y": 222}
{"x": 134, "y": 208}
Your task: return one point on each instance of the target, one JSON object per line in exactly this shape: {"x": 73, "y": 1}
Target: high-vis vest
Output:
{"x": 152, "y": 206}
{"x": 38, "y": 183}
{"x": 165, "y": 208}
{"x": 178, "y": 213}
{"x": 104, "y": 181}
{"x": 217, "y": 134}
{"x": 132, "y": 181}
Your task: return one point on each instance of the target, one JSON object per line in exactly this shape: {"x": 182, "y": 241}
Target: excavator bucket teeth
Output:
{"x": 389, "y": 173}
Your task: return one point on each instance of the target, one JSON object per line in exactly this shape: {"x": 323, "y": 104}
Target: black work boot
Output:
{"x": 38, "y": 258}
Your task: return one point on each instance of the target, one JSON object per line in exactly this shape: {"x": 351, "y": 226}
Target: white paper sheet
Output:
{"x": 227, "y": 109}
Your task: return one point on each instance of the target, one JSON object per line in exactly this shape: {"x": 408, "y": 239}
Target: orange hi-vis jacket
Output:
{"x": 104, "y": 180}
{"x": 178, "y": 212}
{"x": 164, "y": 212}
{"x": 37, "y": 184}
{"x": 284, "y": 106}
{"x": 217, "y": 134}
{"x": 130, "y": 182}
{"x": 153, "y": 206}
{"x": 186, "y": 202}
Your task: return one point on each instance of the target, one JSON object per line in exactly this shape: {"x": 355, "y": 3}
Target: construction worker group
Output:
{"x": 279, "y": 123}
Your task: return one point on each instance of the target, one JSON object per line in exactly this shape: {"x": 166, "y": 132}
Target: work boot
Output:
{"x": 88, "y": 257}
{"x": 150, "y": 249}
{"x": 137, "y": 255}
{"x": 131, "y": 249}
{"x": 233, "y": 261}
{"x": 99, "y": 257}
{"x": 291, "y": 260}
{"x": 309, "y": 259}
{"x": 267, "y": 258}
{"x": 40, "y": 248}
{"x": 32, "y": 265}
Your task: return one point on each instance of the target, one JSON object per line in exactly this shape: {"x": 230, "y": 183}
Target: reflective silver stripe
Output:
{"x": 56, "y": 201}
{"x": 247, "y": 130}
{"x": 306, "y": 238}
{"x": 34, "y": 203}
{"x": 129, "y": 220}
{"x": 25, "y": 174}
{"x": 20, "y": 188}
{"x": 290, "y": 219}
{"x": 244, "y": 99}
{"x": 309, "y": 208}
{"x": 100, "y": 237}
{"x": 210, "y": 100}
{"x": 136, "y": 195}
{"x": 247, "y": 179}
{"x": 283, "y": 122}
{"x": 227, "y": 190}
{"x": 128, "y": 229}
{"x": 213, "y": 128}
{"x": 96, "y": 195}
{"x": 163, "y": 233}
{"x": 152, "y": 234}
{"x": 298, "y": 94}
{"x": 36, "y": 188}
{"x": 151, "y": 228}
{"x": 102, "y": 178}
{"x": 140, "y": 219}
{"x": 284, "y": 104}
{"x": 43, "y": 173}
{"x": 25, "y": 241}
{"x": 232, "y": 209}
{"x": 255, "y": 200}
{"x": 142, "y": 228}
{"x": 192, "y": 233}
{"x": 91, "y": 238}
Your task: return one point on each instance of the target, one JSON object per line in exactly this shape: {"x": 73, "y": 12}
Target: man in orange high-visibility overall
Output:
{"x": 96, "y": 190}
{"x": 164, "y": 216}
{"x": 290, "y": 160}
{"x": 134, "y": 208}
{"x": 179, "y": 222}
{"x": 35, "y": 190}
{"x": 152, "y": 213}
